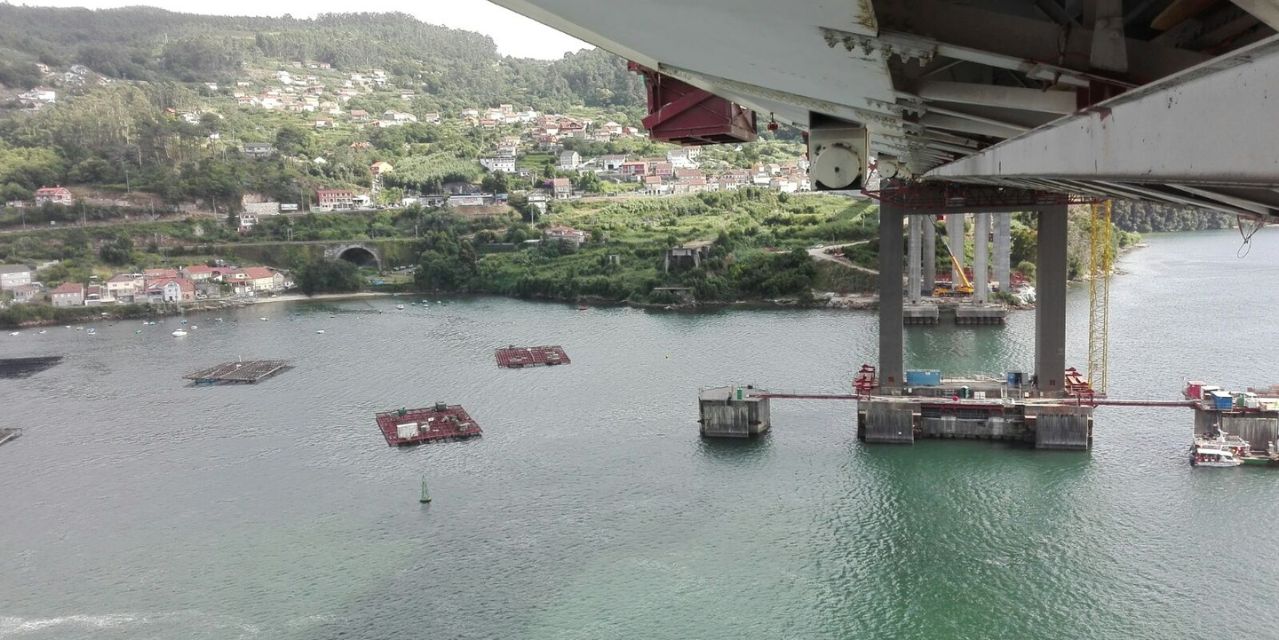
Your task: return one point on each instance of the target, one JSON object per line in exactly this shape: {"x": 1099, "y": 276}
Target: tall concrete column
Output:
{"x": 890, "y": 296}
{"x": 981, "y": 254}
{"x": 1050, "y": 300}
{"x": 955, "y": 237}
{"x": 914, "y": 270}
{"x": 930, "y": 253}
{"x": 1003, "y": 250}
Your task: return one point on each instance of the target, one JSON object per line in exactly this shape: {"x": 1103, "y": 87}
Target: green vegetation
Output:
{"x": 328, "y": 276}
{"x": 125, "y": 138}
{"x": 454, "y": 69}
{"x": 21, "y": 315}
{"x": 758, "y": 251}
{"x": 1145, "y": 217}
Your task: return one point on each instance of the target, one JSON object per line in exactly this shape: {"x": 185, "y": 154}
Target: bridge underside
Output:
{"x": 1170, "y": 101}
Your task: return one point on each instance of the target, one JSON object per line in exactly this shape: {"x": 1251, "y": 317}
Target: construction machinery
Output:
{"x": 965, "y": 286}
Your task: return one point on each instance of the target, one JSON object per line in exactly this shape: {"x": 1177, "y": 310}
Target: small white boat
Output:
{"x": 44, "y": 331}
{"x": 1222, "y": 451}
{"x": 16, "y": 333}
{"x": 179, "y": 333}
{"x": 92, "y": 331}
{"x": 400, "y": 307}
{"x": 263, "y": 318}
{"x": 321, "y": 332}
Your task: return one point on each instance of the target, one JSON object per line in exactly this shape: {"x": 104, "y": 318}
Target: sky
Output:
{"x": 514, "y": 34}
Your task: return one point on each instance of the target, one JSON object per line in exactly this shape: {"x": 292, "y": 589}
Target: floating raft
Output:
{"x": 247, "y": 372}
{"x": 24, "y": 367}
{"x": 415, "y": 426}
{"x": 514, "y": 357}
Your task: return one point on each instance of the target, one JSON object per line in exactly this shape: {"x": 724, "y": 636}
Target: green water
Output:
{"x": 136, "y": 507}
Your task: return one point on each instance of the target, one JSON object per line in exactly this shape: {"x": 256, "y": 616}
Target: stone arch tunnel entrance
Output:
{"x": 359, "y": 255}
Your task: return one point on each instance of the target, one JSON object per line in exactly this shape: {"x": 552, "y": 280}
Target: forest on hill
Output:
{"x": 457, "y": 67}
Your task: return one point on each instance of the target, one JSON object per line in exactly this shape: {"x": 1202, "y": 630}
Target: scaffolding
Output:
{"x": 1101, "y": 265}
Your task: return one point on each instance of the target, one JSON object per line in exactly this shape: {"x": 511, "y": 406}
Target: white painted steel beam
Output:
{"x": 1266, "y": 11}
{"x": 1059, "y": 102}
{"x": 936, "y": 120}
{"x": 1109, "y": 49}
{"x": 1010, "y": 36}
{"x": 1205, "y": 126}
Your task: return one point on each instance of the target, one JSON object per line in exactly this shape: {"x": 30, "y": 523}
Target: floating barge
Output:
{"x": 247, "y": 372}
{"x": 514, "y": 357}
{"x": 25, "y": 367}
{"x": 415, "y": 426}
{"x": 9, "y": 434}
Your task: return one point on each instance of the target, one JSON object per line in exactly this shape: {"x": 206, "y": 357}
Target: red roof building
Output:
{"x": 54, "y": 195}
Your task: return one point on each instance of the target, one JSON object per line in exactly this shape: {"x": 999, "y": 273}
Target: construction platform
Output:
{"x": 9, "y": 434}
{"x": 514, "y": 357}
{"x": 978, "y": 409}
{"x": 245, "y": 372}
{"x": 415, "y": 426}
{"x": 1252, "y": 415}
{"x": 26, "y": 367}
{"x": 923, "y": 313}
{"x": 980, "y": 314}
{"x": 1044, "y": 423}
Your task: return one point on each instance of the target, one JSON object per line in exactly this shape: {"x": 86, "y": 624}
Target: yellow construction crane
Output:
{"x": 965, "y": 286}
{"x": 1100, "y": 265}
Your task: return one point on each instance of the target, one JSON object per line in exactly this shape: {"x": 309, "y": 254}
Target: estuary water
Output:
{"x": 138, "y": 507}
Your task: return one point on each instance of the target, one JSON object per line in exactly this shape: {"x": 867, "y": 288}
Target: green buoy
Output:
{"x": 426, "y": 493}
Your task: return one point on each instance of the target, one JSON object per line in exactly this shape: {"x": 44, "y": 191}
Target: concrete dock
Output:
{"x": 733, "y": 412}
{"x": 920, "y": 313}
{"x": 980, "y": 314}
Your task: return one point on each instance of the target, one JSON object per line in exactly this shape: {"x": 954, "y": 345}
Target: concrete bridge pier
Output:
{"x": 955, "y": 238}
{"x": 1050, "y": 311}
{"x": 733, "y": 412}
{"x": 930, "y": 253}
{"x": 1050, "y": 301}
{"x": 914, "y": 246}
{"x": 981, "y": 256}
{"x": 1003, "y": 250}
{"x": 891, "y": 334}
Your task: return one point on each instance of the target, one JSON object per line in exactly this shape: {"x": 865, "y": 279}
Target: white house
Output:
{"x": 565, "y": 234}
{"x": 13, "y": 276}
{"x": 505, "y": 164}
{"x": 612, "y": 162}
{"x": 570, "y": 160}
{"x": 125, "y": 286}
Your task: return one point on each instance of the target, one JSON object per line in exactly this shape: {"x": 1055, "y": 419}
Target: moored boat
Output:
{"x": 1224, "y": 450}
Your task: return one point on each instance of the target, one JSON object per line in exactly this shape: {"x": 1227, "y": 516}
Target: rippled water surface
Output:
{"x": 137, "y": 507}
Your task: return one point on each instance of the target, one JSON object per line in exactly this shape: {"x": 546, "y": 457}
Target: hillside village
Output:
{"x": 188, "y": 284}
{"x": 335, "y": 139}
{"x": 550, "y": 156}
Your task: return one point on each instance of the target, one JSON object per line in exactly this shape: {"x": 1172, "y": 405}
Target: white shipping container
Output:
{"x": 406, "y": 430}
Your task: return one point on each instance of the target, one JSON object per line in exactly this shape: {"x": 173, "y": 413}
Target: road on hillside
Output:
{"x": 819, "y": 253}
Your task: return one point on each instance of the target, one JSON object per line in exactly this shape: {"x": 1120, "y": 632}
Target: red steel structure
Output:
{"x": 415, "y": 426}
{"x": 514, "y": 357}
{"x": 681, "y": 113}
